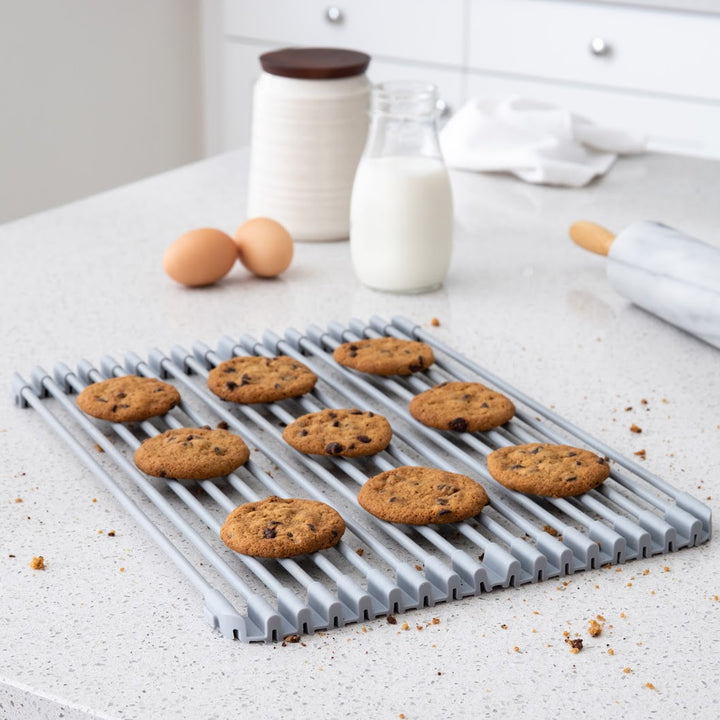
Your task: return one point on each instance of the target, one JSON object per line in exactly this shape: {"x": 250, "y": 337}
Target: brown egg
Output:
{"x": 265, "y": 246}
{"x": 200, "y": 257}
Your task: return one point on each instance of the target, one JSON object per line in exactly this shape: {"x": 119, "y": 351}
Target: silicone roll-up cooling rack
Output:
{"x": 378, "y": 568}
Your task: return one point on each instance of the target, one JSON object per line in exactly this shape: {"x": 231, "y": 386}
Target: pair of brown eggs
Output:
{"x": 205, "y": 255}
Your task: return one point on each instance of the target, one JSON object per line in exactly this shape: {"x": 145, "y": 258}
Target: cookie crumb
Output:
{"x": 360, "y": 552}
{"x": 391, "y": 619}
{"x": 627, "y": 670}
{"x": 640, "y": 454}
{"x": 99, "y": 448}
{"x": 635, "y": 428}
{"x": 291, "y": 639}
{"x": 576, "y": 644}
{"x": 649, "y": 686}
{"x": 38, "y": 563}
{"x": 18, "y": 499}
{"x": 435, "y": 322}
{"x": 595, "y": 628}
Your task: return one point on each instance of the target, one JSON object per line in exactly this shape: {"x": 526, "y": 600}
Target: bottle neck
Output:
{"x": 403, "y": 120}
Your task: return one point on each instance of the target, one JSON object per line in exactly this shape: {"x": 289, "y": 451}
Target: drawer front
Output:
{"x": 430, "y": 31}
{"x": 635, "y": 48}
{"x": 674, "y": 125}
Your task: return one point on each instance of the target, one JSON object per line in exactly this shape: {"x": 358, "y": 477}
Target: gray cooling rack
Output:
{"x": 378, "y": 568}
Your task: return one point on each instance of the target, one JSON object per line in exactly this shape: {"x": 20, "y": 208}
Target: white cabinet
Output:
{"x": 646, "y": 69}
{"x": 650, "y": 70}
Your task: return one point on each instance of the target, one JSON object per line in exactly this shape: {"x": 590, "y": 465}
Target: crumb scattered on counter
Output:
{"x": 576, "y": 644}
{"x": 391, "y": 619}
{"x": 635, "y": 428}
{"x": 18, "y": 499}
{"x": 641, "y": 454}
{"x": 38, "y": 563}
{"x": 435, "y": 322}
{"x": 649, "y": 686}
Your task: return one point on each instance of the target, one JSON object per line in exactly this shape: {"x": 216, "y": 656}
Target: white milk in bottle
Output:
{"x": 401, "y": 213}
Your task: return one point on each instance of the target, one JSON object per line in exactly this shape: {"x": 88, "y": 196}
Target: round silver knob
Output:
{"x": 600, "y": 47}
{"x": 443, "y": 109}
{"x": 334, "y": 15}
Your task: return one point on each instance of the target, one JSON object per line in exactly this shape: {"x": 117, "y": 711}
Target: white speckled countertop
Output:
{"x": 82, "y": 639}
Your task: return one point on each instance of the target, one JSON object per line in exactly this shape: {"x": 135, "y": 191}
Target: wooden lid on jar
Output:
{"x": 314, "y": 63}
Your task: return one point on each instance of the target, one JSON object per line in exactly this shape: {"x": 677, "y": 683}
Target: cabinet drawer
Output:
{"x": 688, "y": 127}
{"x": 427, "y": 30}
{"x": 646, "y": 49}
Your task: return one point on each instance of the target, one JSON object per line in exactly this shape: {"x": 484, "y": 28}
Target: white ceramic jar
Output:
{"x": 309, "y": 126}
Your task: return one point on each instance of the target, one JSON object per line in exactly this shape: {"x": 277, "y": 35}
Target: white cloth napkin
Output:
{"x": 537, "y": 142}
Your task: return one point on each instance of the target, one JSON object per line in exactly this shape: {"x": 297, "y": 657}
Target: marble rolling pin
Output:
{"x": 673, "y": 276}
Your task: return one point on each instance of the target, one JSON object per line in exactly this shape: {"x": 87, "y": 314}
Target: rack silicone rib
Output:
{"x": 378, "y": 568}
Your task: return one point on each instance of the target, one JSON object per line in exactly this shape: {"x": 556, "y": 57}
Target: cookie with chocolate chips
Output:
{"x": 462, "y": 407}
{"x": 282, "y": 527}
{"x": 192, "y": 453}
{"x": 128, "y": 398}
{"x": 350, "y": 433}
{"x": 422, "y": 495}
{"x": 385, "y": 356}
{"x": 256, "y": 379}
{"x": 546, "y": 469}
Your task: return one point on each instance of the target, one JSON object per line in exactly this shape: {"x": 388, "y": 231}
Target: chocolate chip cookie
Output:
{"x": 350, "y": 433}
{"x": 129, "y": 398}
{"x": 282, "y": 527}
{"x": 546, "y": 469}
{"x": 422, "y": 495}
{"x": 385, "y": 356}
{"x": 256, "y": 379}
{"x": 462, "y": 406}
{"x": 192, "y": 453}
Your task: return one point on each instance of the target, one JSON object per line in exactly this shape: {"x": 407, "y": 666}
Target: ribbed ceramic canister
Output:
{"x": 309, "y": 126}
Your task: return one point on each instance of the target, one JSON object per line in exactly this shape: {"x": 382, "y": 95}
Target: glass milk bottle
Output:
{"x": 401, "y": 214}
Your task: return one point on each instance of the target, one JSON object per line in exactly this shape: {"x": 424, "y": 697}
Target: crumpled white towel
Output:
{"x": 538, "y": 142}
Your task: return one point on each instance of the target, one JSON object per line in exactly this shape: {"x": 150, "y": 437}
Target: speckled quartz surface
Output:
{"x": 111, "y": 629}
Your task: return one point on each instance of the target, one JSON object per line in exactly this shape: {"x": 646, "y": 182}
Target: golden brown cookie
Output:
{"x": 385, "y": 356}
{"x": 351, "y": 433}
{"x": 422, "y": 495}
{"x": 192, "y": 453}
{"x": 256, "y": 379}
{"x": 282, "y": 527}
{"x": 129, "y": 398}
{"x": 462, "y": 406}
{"x": 546, "y": 469}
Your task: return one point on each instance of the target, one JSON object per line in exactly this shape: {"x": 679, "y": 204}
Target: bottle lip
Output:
{"x": 405, "y": 98}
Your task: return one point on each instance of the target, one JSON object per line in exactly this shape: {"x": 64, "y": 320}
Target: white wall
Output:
{"x": 93, "y": 94}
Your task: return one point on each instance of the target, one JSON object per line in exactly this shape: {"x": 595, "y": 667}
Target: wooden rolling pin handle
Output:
{"x": 591, "y": 236}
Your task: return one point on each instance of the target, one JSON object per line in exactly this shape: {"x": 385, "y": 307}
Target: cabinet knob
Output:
{"x": 443, "y": 109}
{"x": 334, "y": 15}
{"x": 600, "y": 47}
